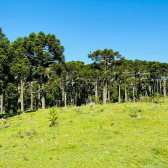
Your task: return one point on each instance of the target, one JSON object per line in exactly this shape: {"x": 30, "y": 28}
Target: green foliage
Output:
{"x": 72, "y": 105}
{"x": 114, "y": 95}
{"x": 157, "y": 96}
{"x": 95, "y": 99}
{"x": 19, "y": 111}
{"x": 108, "y": 100}
{"x": 20, "y": 67}
{"x": 134, "y": 112}
{"x": 53, "y": 116}
{"x": 38, "y": 59}
{"x": 11, "y": 111}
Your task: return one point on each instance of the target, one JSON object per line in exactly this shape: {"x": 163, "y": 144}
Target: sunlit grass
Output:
{"x": 112, "y": 135}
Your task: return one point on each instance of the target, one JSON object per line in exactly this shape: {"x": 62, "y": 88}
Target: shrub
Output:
{"x": 133, "y": 112}
{"x": 157, "y": 95}
{"x": 19, "y": 111}
{"x": 53, "y": 116}
{"x": 72, "y": 105}
{"x": 108, "y": 100}
{"x": 95, "y": 99}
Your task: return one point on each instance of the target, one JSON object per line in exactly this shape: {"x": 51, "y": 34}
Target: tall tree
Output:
{"x": 107, "y": 58}
{"x": 4, "y": 66}
{"x": 20, "y": 69}
{"x": 43, "y": 50}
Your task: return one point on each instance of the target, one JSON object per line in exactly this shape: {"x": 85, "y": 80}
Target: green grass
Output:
{"x": 112, "y": 135}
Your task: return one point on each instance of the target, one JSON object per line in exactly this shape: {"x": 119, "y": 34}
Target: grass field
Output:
{"x": 112, "y": 135}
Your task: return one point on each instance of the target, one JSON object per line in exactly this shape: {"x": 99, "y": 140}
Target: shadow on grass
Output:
{"x": 7, "y": 115}
{"x": 31, "y": 111}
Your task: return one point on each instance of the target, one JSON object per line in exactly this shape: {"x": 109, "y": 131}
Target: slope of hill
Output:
{"x": 112, "y": 135}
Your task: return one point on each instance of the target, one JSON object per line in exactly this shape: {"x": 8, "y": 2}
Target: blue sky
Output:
{"x": 138, "y": 29}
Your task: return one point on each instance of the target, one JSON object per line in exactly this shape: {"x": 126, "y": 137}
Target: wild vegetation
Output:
{"x": 34, "y": 75}
{"x": 111, "y": 135}
{"x": 110, "y": 113}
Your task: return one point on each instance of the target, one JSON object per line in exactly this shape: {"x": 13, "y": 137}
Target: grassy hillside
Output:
{"x": 113, "y": 135}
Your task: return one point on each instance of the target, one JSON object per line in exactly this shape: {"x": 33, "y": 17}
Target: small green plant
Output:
{"x": 100, "y": 102}
{"x": 19, "y": 111}
{"x": 11, "y": 112}
{"x": 19, "y": 133}
{"x": 95, "y": 99}
{"x": 48, "y": 107}
{"x": 134, "y": 113}
{"x": 72, "y": 105}
{"x": 157, "y": 95}
{"x": 146, "y": 99}
{"x": 53, "y": 116}
{"x": 121, "y": 100}
{"x": 108, "y": 100}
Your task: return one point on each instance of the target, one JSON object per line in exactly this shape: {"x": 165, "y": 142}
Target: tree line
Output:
{"x": 34, "y": 75}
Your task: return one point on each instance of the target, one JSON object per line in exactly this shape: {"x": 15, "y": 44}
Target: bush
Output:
{"x": 108, "y": 100}
{"x": 95, "y": 99}
{"x": 53, "y": 116}
{"x": 19, "y": 111}
{"x": 157, "y": 96}
{"x": 133, "y": 112}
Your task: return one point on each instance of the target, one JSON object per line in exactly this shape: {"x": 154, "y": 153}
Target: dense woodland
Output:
{"x": 34, "y": 75}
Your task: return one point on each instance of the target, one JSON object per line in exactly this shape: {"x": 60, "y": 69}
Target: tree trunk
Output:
{"x": 76, "y": 98}
{"x": 160, "y": 88}
{"x": 31, "y": 95}
{"x": 19, "y": 107}
{"x": 2, "y": 97}
{"x": 21, "y": 95}
{"x": 136, "y": 92}
{"x": 150, "y": 90}
{"x": 133, "y": 94}
{"x": 157, "y": 86}
{"x": 119, "y": 97}
{"x": 146, "y": 93}
{"x": 39, "y": 96}
{"x": 154, "y": 90}
{"x": 164, "y": 87}
{"x": 96, "y": 90}
{"x": 63, "y": 96}
{"x": 108, "y": 94}
{"x": 72, "y": 97}
{"x": 105, "y": 92}
{"x": 65, "y": 100}
{"x": 125, "y": 93}
{"x": 43, "y": 93}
